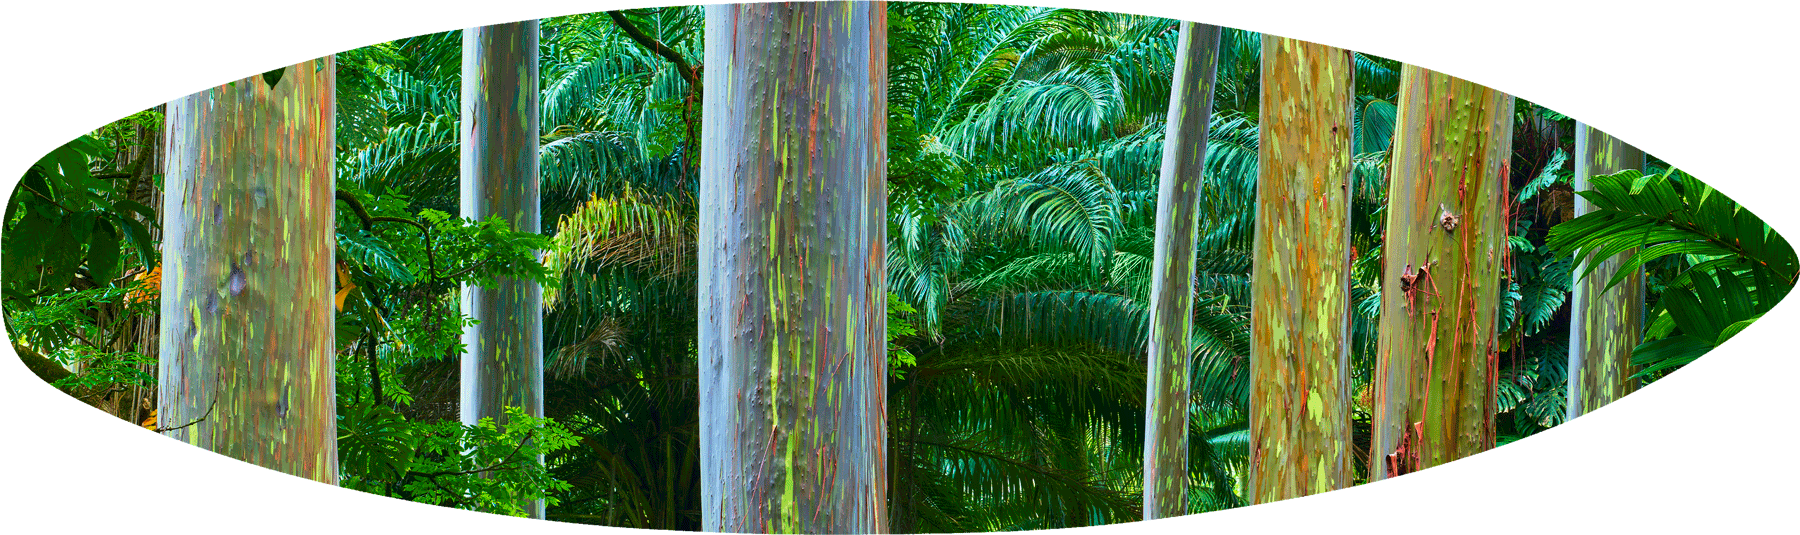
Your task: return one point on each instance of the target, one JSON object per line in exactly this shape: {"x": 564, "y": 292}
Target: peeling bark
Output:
{"x": 1300, "y": 320}
{"x": 1604, "y": 327}
{"x": 502, "y": 361}
{"x": 247, "y": 337}
{"x": 792, "y": 339}
{"x": 1172, "y": 273}
{"x": 1446, "y": 240}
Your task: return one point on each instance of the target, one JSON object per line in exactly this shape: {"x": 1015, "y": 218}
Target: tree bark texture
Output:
{"x": 1605, "y": 326}
{"x": 1172, "y": 273}
{"x": 502, "y": 361}
{"x": 792, "y": 340}
{"x": 1300, "y": 318}
{"x": 1445, "y": 243}
{"x": 247, "y": 340}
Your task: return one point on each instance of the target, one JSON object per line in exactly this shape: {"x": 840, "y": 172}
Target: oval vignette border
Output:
{"x": 64, "y": 454}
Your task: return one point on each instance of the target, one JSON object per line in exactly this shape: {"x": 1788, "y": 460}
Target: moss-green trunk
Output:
{"x": 1300, "y": 319}
{"x": 1604, "y": 326}
{"x": 247, "y": 338}
{"x": 1172, "y": 273}
{"x": 502, "y": 361}
{"x": 1440, "y": 290}
{"x": 793, "y": 195}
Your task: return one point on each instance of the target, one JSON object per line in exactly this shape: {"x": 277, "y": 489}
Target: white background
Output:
{"x": 1707, "y": 86}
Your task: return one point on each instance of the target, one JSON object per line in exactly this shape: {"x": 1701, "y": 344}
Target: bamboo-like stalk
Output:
{"x": 1440, "y": 291}
{"x": 1172, "y": 273}
{"x": 1300, "y": 318}
{"x": 1604, "y": 326}
{"x": 502, "y": 362}
{"x": 246, "y": 334}
{"x": 792, "y": 340}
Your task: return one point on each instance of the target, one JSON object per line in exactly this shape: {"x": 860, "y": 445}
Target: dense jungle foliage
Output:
{"x": 1024, "y": 150}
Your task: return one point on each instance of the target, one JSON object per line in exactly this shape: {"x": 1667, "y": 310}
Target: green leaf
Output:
{"x": 1668, "y": 353}
{"x": 127, "y": 205}
{"x": 374, "y": 441}
{"x": 371, "y": 252}
{"x": 103, "y": 253}
{"x": 273, "y": 77}
{"x": 140, "y": 242}
{"x": 1733, "y": 329}
{"x": 25, "y": 245}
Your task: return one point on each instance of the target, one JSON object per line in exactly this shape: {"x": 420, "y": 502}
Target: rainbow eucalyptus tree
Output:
{"x": 1172, "y": 273}
{"x": 1605, "y": 324}
{"x": 793, "y": 195}
{"x": 1300, "y": 312}
{"x": 502, "y": 362}
{"x": 247, "y": 339}
{"x": 1440, "y": 289}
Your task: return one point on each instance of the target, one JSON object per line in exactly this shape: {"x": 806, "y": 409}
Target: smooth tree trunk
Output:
{"x": 792, "y": 339}
{"x": 1604, "y": 325}
{"x": 502, "y": 361}
{"x": 1172, "y": 273}
{"x": 247, "y": 339}
{"x": 1300, "y": 315}
{"x": 1440, "y": 290}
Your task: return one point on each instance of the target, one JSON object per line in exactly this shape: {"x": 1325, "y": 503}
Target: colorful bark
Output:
{"x": 1300, "y": 317}
{"x": 1604, "y": 326}
{"x": 247, "y": 334}
{"x": 502, "y": 362}
{"x": 793, "y": 195}
{"x": 1445, "y": 243}
{"x": 1172, "y": 273}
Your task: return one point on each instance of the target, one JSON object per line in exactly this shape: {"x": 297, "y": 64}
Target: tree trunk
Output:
{"x": 247, "y": 335}
{"x": 142, "y": 338}
{"x": 1440, "y": 292}
{"x": 1300, "y": 318}
{"x": 1604, "y": 326}
{"x": 1172, "y": 273}
{"x": 792, "y": 340}
{"x": 502, "y": 361}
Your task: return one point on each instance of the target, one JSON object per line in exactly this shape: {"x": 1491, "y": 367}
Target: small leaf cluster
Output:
{"x": 486, "y": 467}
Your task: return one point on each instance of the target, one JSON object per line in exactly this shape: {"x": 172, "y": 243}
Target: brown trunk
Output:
{"x": 1440, "y": 292}
{"x": 1300, "y": 320}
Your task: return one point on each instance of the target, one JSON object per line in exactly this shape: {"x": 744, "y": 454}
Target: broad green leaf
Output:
{"x": 103, "y": 253}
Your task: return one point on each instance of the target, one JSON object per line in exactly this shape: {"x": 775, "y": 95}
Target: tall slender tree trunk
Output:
{"x": 1300, "y": 316}
{"x": 1440, "y": 291}
{"x": 502, "y": 362}
{"x": 247, "y": 337}
{"x": 1604, "y": 326}
{"x": 142, "y": 338}
{"x": 793, "y": 195}
{"x": 1172, "y": 273}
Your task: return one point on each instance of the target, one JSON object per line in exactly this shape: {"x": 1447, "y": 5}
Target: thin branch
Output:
{"x": 687, "y": 71}
{"x": 368, "y": 224}
{"x": 202, "y": 418}
{"x": 509, "y": 459}
{"x": 46, "y": 198}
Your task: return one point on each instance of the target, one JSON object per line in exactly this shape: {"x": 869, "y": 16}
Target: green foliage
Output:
{"x": 1025, "y": 148}
{"x": 482, "y": 467}
{"x": 1673, "y": 214}
{"x": 897, "y": 327}
{"x": 1722, "y": 266}
{"x": 63, "y": 223}
{"x": 101, "y": 370}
